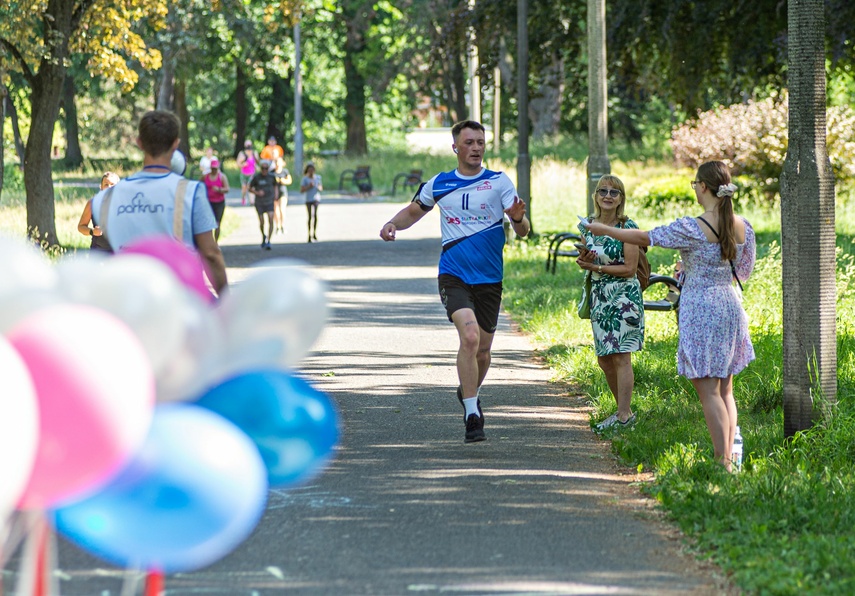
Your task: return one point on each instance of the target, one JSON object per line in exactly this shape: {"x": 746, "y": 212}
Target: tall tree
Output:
{"x": 73, "y": 154}
{"x": 807, "y": 228}
{"x": 37, "y": 38}
{"x": 355, "y": 17}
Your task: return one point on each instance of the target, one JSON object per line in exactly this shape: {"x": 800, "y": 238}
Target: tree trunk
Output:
{"x": 45, "y": 97}
{"x": 73, "y": 154}
{"x": 280, "y": 100}
{"x": 807, "y": 228}
{"x": 166, "y": 93}
{"x": 241, "y": 109}
{"x": 16, "y": 129}
{"x": 457, "y": 89}
{"x": 545, "y": 107}
{"x": 180, "y": 107}
{"x": 4, "y": 93}
{"x": 354, "y": 108}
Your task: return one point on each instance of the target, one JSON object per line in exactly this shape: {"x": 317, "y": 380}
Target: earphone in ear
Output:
{"x": 454, "y": 149}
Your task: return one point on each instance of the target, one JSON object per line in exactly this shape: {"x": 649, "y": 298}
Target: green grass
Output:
{"x": 786, "y": 523}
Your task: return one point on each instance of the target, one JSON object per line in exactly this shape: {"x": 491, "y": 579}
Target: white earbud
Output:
{"x": 454, "y": 149}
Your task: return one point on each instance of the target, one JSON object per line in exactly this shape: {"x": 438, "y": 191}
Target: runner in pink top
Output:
{"x": 246, "y": 161}
{"x": 217, "y": 186}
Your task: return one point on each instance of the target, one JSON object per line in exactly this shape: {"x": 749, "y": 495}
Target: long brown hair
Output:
{"x": 716, "y": 174}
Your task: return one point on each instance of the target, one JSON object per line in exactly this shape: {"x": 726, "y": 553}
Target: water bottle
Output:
{"x": 736, "y": 456}
{"x": 679, "y": 274}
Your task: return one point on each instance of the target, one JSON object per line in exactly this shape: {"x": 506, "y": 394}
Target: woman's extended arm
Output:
{"x": 627, "y": 235}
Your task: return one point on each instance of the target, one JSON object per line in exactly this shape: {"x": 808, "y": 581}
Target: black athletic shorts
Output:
{"x": 262, "y": 208}
{"x": 218, "y": 209}
{"x": 484, "y": 299}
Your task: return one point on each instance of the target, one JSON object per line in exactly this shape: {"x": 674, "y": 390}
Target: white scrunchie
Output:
{"x": 726, "y": 190}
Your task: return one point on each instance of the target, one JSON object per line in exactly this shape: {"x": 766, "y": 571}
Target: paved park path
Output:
{"x": 541, "y": 507}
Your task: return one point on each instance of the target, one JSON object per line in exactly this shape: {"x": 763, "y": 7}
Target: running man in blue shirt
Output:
{"x": 473, "y": 202}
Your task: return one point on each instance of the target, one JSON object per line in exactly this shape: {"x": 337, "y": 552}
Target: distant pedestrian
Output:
{"x": 264, "y": 188}
{"x": 99, "y": 241}
{"x": 217, "y": 185}
{"x": 205, "y": 161}
{"x": 247, "y": 161}
{"x": 283, "y": 179}
{"x": 717, "y": 248}
{"x": 272, "y": 152}
{"x": 312, "y": 186}
{"x": 473, "y": 202}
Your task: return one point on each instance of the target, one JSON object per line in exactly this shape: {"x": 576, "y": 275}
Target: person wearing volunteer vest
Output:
{"x": 144, "y": 204}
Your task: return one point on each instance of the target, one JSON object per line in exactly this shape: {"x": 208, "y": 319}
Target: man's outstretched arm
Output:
{"x": 210, "y": 252}
{"x": 405, "y": 218}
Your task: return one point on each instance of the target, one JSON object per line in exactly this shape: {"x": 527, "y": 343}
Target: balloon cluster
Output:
{"x": 146, "y": 418}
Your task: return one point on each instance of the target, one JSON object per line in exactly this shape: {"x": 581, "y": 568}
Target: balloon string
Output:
{"x": 154, "y": 583}
{"x": 130, "y": 582}
{"x": 41, "y": 583}
{"x": 17, "y": 527}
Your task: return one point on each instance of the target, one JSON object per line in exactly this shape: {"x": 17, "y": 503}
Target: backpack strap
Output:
{"x": 178, "y": 213}
{"x": 732, "y": 268}
{"x": 105, "y": 208}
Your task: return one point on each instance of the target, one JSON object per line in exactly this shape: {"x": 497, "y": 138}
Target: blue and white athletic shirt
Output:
{"x": 472, "y": 210}
{"x": 143, "y": 205}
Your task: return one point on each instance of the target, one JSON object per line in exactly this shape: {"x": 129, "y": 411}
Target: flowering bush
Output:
{"x": 752, "y": 139}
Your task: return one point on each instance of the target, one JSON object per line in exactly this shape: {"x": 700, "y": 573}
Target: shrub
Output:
{"x": 674, "y": 190}
{"x": 752, "y": 139}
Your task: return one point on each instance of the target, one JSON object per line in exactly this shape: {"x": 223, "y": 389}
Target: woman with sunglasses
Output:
{"x": 717, "y": 247}
{"x": 617, "y": 308}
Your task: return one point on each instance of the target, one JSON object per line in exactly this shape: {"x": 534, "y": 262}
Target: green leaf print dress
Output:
{"x": 617, "y": 308}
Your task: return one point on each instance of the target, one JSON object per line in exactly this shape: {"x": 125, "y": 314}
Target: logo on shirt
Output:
{"x": 484, "y": 186}
{"x": 139, "y": 205}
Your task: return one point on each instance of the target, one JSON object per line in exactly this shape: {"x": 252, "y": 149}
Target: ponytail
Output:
{"x": 716, "y": 176}
{"x": 725, "y": 224}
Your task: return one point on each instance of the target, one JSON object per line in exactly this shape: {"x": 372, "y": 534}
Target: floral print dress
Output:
{"x": 617, "y": 308}
{"x": 714, "y": 340}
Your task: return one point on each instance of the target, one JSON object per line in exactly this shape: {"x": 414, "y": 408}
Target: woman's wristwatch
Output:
{"x": 600, "y": 269}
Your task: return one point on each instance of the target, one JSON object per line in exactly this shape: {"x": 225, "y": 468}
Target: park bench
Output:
{"x": 361, "y": 177}
{"x": 411, "y": 180}
{"x": 671, "y": 301}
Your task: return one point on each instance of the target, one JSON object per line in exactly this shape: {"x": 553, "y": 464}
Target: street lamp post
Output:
{"x": 298, "y": 102}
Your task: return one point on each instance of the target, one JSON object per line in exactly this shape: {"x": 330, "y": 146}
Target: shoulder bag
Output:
{"x": 732, "y": 267}
{"x": 584, "y": 306}
{"x": 642, "y": 271}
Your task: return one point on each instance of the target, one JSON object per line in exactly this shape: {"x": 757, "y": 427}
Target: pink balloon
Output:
{"x": 184, "y": 262}
{"x": 95, "y": 399}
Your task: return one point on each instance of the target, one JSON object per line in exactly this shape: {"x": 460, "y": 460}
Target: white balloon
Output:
{"x": 142, "y": 292}
{"x": 272, "y": 318}
{"x": 192, "y": 366}
{"x": 179, "y": 163}
{"x": 17, "y": 306}
{"x": 19, "y": 428}
{"x": 23, "y": 267}
{"x": 75, "y": 275}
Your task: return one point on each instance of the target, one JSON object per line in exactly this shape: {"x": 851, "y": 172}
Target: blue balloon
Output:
{"x": 195, "y": 490}
{"x": 294, "y": 426}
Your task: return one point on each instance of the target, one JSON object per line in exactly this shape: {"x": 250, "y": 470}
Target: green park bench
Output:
{"x": 670, "y": 302}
